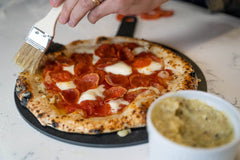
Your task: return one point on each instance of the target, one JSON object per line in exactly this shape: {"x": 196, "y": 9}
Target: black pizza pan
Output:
{"x": 137, "y": 136}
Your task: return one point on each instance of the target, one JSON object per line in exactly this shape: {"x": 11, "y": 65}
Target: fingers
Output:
{"x": 106, "y": 8}
{"x": 79, "y": 11}
{"x": 66, "y": 11}
{"x": 55, "y": 3}
{"x": 74, "y": 10}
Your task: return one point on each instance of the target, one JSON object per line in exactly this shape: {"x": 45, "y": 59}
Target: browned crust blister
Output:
{"x": 32, "y": 94}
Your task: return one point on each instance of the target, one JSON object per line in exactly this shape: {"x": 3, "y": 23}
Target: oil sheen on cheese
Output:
{"x": 91, "y": 94}
{"x": 191, "y": 123}
{"x": 69, "y": 69}
{"x": 66, "y": 85}
{"x": 154, "y": 66}
{"x": 139, "y": 50}
{"x": 95, "y": 59}
{"x": 119, "y": 68}
{"x": 115, "y": 104}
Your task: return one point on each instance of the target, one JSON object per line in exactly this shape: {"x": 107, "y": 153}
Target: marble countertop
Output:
{"x": 210, "y": 40}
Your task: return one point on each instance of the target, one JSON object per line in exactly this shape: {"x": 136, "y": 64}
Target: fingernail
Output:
{"x": 54, "y": 2}
{"x": 62, "y": 20}
{"x": 71, "y": 24}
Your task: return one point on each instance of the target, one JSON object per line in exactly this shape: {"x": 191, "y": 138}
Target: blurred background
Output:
{"x": 228, "y": 6}
{"x": 231, "y": 7}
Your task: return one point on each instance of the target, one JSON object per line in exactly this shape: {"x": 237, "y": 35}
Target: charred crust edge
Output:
{"x": 54, "y": 124}
{"x": 21, "y": 91}
{"x": 97, "y": 131}
{"x": 193, "y": 74}
{"x": 101, "y": 39}
{"x": 55, "y": 47}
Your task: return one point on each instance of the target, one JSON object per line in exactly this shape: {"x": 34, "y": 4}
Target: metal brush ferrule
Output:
{"x": 38, "y": 39}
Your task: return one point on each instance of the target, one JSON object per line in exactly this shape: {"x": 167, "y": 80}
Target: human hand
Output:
{"x": 74, "y": 10}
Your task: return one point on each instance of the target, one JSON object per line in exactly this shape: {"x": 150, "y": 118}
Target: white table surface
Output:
{"x": 210, "y": 40}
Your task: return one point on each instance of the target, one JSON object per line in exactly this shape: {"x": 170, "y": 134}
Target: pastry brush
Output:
{"x": 37, "y": 41}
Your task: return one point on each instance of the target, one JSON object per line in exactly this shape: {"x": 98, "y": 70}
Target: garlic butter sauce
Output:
{"x": 191, "y": 123}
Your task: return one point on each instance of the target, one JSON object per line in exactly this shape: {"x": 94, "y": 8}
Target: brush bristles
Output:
{"x": 28, "y": 58}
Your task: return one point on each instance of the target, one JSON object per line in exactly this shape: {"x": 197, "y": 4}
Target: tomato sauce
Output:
{"x": 89, "y": 76}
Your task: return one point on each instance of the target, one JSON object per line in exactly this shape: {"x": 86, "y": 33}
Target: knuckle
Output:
{"x": 74, "y": 17}
{"x": 87, "y": 4}
{"x": 92, "y": 17}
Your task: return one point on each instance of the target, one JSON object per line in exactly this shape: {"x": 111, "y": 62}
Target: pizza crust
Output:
{"x": 31, "y": 92}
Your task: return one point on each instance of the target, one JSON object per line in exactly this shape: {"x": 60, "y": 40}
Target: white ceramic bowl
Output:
{"x": 161, "y": 148}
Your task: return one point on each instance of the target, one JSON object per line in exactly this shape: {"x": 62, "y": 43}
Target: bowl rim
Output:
{"x": 182, "y": 93}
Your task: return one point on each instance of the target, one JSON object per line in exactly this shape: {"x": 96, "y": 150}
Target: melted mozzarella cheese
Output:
{"x": 154, "y": 66}
{"x": 69, "y": 69}
{"x": 139, "y": 50}
{"x": 119, "y": 68}
{"x": 85, "y": 49}
{"x": 148, "y": 88}
{"x": 95, "y": 59}
{"x": 91, "y": 94}
{"x": 115, "y": 104}
{"x": 66, "y": 85}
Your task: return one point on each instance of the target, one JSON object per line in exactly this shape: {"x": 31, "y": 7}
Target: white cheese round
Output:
{"x": 114, "y": 104}
{"x": 154, "y": 66}
{"x": 91, "y": 94}
{"x": 66, "y": 85}
{"x": 69, "y": 69}
{"x": 119, "y": 68}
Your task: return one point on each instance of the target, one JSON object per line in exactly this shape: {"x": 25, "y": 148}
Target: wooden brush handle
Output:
{"x": 48, "y": 23}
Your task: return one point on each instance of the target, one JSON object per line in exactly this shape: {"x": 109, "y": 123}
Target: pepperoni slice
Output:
{"x": 150, "y": 55}
{"x": 155, "y": 58}
{"x": 117, "y": 80}
{"x": 70, "y": 95}
{"x": 81, "y": 68}
{"x": 51, "y": 66}
{"x": 141, "y": 62}
{"x": 75, "y": 108}
{"x": 106, "y": 51}
{"x": 101, "y": 75}
{"x": 103, "y": 62}
{"x": 126, "y": 54}
{"x": 48, "y": 82}
{"x": 82, "y": 57}
{"x": 61, "y": 76}
{"x": 88, "y": 81}
{"x": 119, "y": 17}
{"x": 95, "y": 108}
{"x": 103, "y": 110}
{"x": 138, "y": 80}
{"x": 154, "y": 14}
{"x": 131, "y": 45}
{"x": 88, "y": 106}
{"x": 114, "y": 92}
{"x": 64, "y": 61}
{"x": 166, "y": 13}
{"x": 117, "y": 47}
{"x": 130, "y": 96}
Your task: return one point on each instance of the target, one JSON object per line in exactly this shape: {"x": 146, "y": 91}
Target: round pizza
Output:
{"x": 102, "y": 85}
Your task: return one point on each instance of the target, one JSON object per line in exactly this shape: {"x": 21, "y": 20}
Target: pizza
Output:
{"x": 101, "y": 85}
